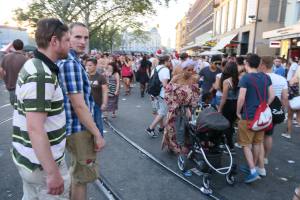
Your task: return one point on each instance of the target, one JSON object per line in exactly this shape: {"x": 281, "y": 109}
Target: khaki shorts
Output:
{"x": 35, "y": 186}
{"x": 247, "y": 136}
{"x": 84, "y": 167}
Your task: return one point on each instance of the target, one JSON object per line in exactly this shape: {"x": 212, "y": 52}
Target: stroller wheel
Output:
{"x": 181, "y": 162}
{"x": 230, "y": 179}
{"x": 206, "y": 181}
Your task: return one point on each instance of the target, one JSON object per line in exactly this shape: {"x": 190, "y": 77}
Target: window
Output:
{"x": 224, "y": 18}
{"x": 218, "y": 21}
{"x": 273, "y": 11}
{"x": 231, "y": 15}
{"x": 298, "y": 11}
{"x": 239, "y": 14}
{"x": 251, "y": 10}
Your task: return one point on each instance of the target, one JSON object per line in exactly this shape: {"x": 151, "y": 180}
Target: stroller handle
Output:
{"x": 219, "y": 170}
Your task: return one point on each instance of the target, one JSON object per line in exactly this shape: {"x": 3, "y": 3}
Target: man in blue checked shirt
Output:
{"x": 83, "y": 137}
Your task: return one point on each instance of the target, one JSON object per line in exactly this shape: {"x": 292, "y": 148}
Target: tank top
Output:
{"x": 232, "y": 93}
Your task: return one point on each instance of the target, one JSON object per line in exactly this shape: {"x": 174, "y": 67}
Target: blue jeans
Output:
{"x": 98, "y": 118}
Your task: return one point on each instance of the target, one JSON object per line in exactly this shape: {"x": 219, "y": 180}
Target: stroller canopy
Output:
{"x": 210, "y": 119}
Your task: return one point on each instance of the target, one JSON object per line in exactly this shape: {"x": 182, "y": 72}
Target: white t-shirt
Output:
{"x": 292, "y": 71}
{"x": 278, "y": 83}
{"x": 219, "y": 93}
{"x": 163, "y": 74}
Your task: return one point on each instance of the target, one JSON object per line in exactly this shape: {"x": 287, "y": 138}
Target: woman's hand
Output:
{"x": 188, "y": 113}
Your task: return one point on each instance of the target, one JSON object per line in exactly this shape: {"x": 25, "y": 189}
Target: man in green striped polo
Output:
{"x": 39, "y": 122}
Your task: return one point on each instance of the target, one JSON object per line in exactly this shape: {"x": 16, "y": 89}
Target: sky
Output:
{"x": 166, "y": 18}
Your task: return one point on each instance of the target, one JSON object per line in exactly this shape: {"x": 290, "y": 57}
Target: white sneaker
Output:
{"x": 261, "y": 172}
{"x": 237, "y": 145}
{"x": 266, "y": 161}
{"x": 295, "y": 121}
{"x": 288, "y": 136}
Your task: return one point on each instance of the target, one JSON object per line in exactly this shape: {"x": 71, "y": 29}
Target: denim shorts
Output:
{"x": 162, "y": 107}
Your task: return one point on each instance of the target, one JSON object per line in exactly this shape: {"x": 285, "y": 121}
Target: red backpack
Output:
{"x": 263, "y": 115}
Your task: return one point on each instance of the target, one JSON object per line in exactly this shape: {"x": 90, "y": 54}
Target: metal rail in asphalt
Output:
{"x": 107, "y": 189}
{"x": 6, "y": 120}
{"x": 160, "y": 163}
{"x": 6, "y": 105}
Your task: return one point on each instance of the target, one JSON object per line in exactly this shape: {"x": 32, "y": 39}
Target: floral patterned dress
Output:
{"x": 177, "y": 95}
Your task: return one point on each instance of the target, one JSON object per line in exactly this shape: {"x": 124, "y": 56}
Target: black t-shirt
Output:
{"x": 97, "y": 81}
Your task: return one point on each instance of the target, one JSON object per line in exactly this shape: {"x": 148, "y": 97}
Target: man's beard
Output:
{"x": 63, "y": 55}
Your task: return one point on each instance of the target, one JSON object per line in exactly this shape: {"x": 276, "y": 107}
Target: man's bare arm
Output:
{"x": 41, "y": 146}
{"x": 241, "y": 101}
{"x": 85, "y": 118}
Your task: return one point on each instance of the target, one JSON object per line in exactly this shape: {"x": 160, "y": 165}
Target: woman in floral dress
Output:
{"x": 183, "y": 90}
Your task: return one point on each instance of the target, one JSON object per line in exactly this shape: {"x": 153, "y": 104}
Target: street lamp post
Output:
{"x": 256, "y": 20}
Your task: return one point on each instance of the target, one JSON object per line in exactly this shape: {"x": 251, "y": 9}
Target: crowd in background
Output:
{"x": 91, "y": 86}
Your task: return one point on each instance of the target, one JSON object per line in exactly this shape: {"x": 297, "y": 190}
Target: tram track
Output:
{"x": 214, "y": 195}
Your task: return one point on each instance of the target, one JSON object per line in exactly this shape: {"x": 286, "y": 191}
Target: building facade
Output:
{"x": 287, "y": 39}
{"x": 239, "y": 24}
{"x": 199, "y": 26}
{"x": 150, "y": 43}
{"x": 8, "y": 34}
{"x": 181, "y": 34}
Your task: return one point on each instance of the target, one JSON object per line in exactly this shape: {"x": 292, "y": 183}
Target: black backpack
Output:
{"x": 278, "y": 115}
{"x": 154, "y": 85}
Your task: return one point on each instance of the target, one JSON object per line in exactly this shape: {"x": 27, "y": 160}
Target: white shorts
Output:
{"x": 35, "y": 186}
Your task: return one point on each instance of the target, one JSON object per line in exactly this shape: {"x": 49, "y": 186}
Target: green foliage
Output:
{"x": 106, "y": 19}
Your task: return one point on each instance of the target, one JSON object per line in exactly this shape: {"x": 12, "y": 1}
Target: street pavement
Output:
{"x": 134, "y": 176}
{"x": 282, "y": 172}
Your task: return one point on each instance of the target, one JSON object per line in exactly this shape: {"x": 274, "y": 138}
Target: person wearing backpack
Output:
{"x": 255, "y": 89}
{"x": 159, "y": 79}
{"x": 280, "y": 87}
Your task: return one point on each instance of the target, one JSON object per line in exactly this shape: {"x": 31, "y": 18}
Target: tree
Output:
{"x": 94, "y": 13}
{"x": 106, "y": 19}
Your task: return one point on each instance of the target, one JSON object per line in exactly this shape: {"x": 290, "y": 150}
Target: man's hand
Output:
{"x": 103, "y": 107}
{"x": 99, "y": 142}
{"x": 117, "y": 93}
{"x": 239, "y": 115}
{"x": 55, "y": 183}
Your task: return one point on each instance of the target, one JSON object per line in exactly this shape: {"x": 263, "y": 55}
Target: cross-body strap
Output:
{"x": 257, "y": 91}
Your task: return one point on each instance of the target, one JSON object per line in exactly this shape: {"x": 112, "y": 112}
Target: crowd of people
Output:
{"x": 61, "y": 95}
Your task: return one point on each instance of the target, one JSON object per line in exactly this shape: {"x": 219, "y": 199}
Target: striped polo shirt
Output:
{"x": 38, "y": 90}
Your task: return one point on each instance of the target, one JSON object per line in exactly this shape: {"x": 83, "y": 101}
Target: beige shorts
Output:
{"x": 247, "y": 136}
{"x": 35, "y": 186}
{"x": 84, "y": 167}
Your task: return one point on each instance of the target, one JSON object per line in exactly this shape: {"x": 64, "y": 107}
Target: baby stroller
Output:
{"x": 208, "y": 147}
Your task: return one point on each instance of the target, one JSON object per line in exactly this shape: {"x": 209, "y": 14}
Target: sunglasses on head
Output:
{"x": 58, "y": 24}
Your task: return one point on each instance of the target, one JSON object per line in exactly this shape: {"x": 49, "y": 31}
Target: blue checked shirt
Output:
{"x": 73, "y": 79}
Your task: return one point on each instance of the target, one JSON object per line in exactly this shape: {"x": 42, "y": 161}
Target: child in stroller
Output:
{"x": 208, "y": 144}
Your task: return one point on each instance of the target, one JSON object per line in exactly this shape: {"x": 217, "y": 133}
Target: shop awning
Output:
{"x": 190, "y": 47}
{"x": 223, "y": 42}
{"x": 283, "y": 33}
{"x": 202, "y": 39}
